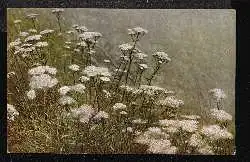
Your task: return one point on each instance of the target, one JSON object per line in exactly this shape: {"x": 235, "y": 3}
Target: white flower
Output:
{"x": 32, "y": 16}
{"x": 101, "y": 115}
{"x": 220, "y": 115}
{"x": 206, "y": 150}
{"x": 84, "y": 79}
{"x": 138, "y": 30}
{"x": 66, "y": 100}
{"x": 70, "y": 32}
{"x": 84, "y": 113}
{"x": 23, "y": 34}
{"x": 140, "y": 56}
{"x": 139, "y": 121}
{"x": 11, "y": 112}
{"x": 151, "y": 90}
{"x": 10, "y": 74}
{"x": 41, "y": 44}
{"x": 17, "y": 21}
{"x": 185, "y": 125}
{"x": 123, "y": 113}
{"x": 217, "y": 94}
{"x": 42, "y": 81}
{"x": 46, "y": 32}
{"x": 76, "y": 50}
{"x": 64, "y": 90}
{"x": 32, "y": 30}
{"x": 215, "y": 132}
{"x": 125, "y": 47}
{"x": 143, "y": 66}
{"x": 74, "y": 67}
{"x": 105, "y": 79}
{"x": 80, "y": 29}
{"x": 106, "y": 61}
{"x": 171, "y": 129}
{"x": 82, "y": 44}
{"x": 15, "y": 43}
{"x": 90, "y": 36}
{"x": 31, "y": 94}
{"x": 161, "y": 147}
{"x": 196, "y": 140}
{"x": 26, "y": 45}
{"x": 128, "y": 129}
{"x": 78, "y": 88}
{"x": 94, "y": 71}
{"x": 107, "y": 94}
{"x": 58, "y": 10}
{"x": 172, "y": 102}
{"x": 153, "y": 133}
{"x": 41, "y": 70}
{"x": 119, "y": 106}
{"x": 33, "y": 38}
{"x": 161, "y": 56}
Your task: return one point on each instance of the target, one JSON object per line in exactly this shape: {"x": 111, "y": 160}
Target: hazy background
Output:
{"x": 201, "y": 44}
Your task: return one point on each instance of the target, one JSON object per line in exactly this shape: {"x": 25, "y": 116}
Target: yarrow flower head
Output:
{"x": 42, "y": 69}
{"x": 161, "y": 57}
{"x": 15, "y": 43}
{"x": 11, "y": 112}
{"x": 66, "y": 100}
{"x": 83, "y": 113}
{"x": 74, "y": 67}
{"x": 32, "y": 30}
{"x": 92, "y": 71}
{"x": 81, "y": 44}
{"x": 196, "y": 141}
{"x": 64, "y": 90}
{"x": 23, "y": 34}
{"x": 46, "y": 32}
{"x": 78, "y": 88}
{"x": 171, "y": 101}
{"x": 57, "y": 10}
{"x": 33, "y": 38}
{"x": 215, "y": 132}
{"x": 139, "y": 121}
{"x": 90, "y": 37}
{"x": 41, "y": 44}
{"x": 185, "y": 125}
{"x": 161, "y": 147}
{"x": 137, "y": 33}
{"x": 84, "y": 79}
{"x": 119, "y": 106}
{"x": 31, "y": 94}
{"x": 220, "y": 115}
{"x": 17, "y": 21}
{"x": 217, "y": 93}
{"x": 152, "y": 134}
{"x": 80, "y": 29}
{"x": 105, "y": 79}
{"x": 42, "y": 81}
{"x": 140, "y": 56}
{"x": 32, "y": 16}
{"x": 101, "y": 115}
{"x": 151, "y": 90}
{"x": 125, "y": 47}
{"x": 106, "y": 61}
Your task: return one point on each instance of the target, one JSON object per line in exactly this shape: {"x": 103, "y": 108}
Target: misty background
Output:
{"x": 200, "y": 43}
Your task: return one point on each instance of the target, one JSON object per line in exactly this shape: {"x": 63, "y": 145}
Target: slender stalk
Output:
{"x": 154, "y": 73}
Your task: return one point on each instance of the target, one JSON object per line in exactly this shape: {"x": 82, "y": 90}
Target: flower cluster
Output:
{"x": 220, "y": 115}
{"x": 83, "y": 113}
{"x": 171, "y": 102}
{"x": 215, "y": 132}
{"x": 161, "y": 57}
{"x": 92, "y": 71}
{"x": 11, "y": 112}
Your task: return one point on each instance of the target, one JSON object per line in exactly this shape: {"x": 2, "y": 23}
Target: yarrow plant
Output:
{"x": 67, "y": 95}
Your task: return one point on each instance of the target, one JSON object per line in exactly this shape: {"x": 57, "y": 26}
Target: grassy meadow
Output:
{"x": 121, "y": 81}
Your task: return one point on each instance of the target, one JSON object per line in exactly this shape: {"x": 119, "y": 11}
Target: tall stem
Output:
{"x": 153, "y": 75}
